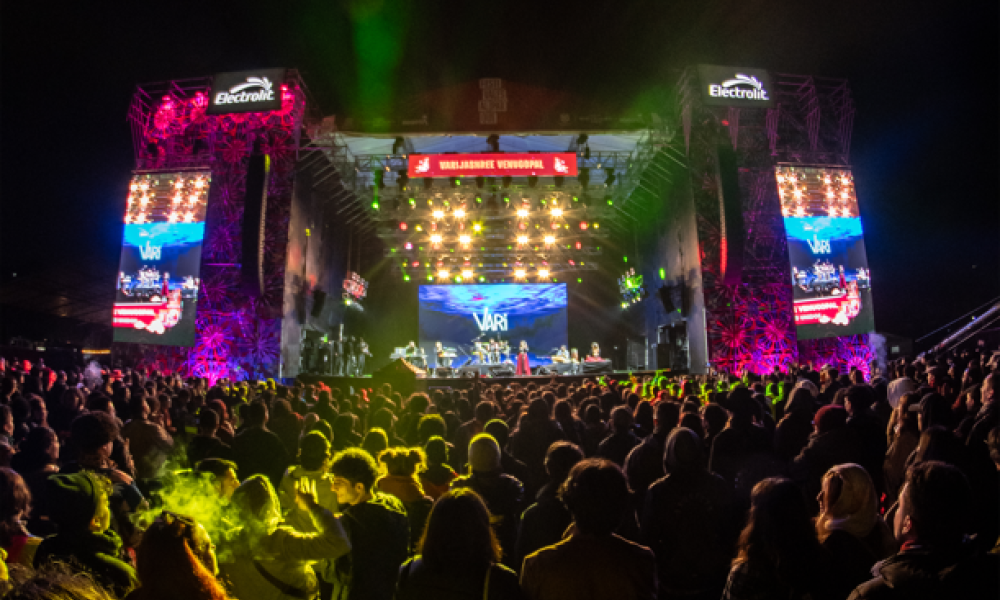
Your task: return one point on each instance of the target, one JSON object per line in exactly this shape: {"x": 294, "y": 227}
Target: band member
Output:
{"x": 363, "y": 353}
{"x": 440, "y": 354}
{"x": 563, "y": 353}
{"x": 523, "y": 368}
{"x": 351, "y": 354}
{"x": 337, "y": 356}
{"x": 595, "y": 352}
{"x": 494, "y": 351}
{"x": 574, "y": 357}
{"x": 843, "y": 278}
{"x": 411, "y": 349}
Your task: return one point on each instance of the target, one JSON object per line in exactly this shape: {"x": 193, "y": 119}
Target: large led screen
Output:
{"x": 826, "y": 247}
{"x": 460, "y": 315}
{"x": 159, "y": 272}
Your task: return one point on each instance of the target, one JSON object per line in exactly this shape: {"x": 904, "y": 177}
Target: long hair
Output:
{"x": 779, "y": 540}
{"x": 168, "y": 565}
{"x": 458, "y": 535}
{"x": 15, "y": 502}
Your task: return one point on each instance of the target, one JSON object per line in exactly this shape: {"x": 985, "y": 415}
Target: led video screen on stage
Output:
{"x": 159, "y": 272}
{"x": 826, "y": 248}
{"x": 460, "y": 315}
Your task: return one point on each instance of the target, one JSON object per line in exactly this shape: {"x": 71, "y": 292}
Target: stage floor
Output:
{"x": 424, "y": 384}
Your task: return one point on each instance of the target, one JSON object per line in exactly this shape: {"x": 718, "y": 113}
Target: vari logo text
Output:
{"x": 491, "y": 322}
{"x": 742, "y": 86}
{"x": 256, "y": 89}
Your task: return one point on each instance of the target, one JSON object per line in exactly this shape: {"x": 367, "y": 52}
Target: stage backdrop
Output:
{"x": 457, "y": 315}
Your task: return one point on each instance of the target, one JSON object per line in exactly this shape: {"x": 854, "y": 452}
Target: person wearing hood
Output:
{"x": 503, "y": 494}
{"x": 849, "y": 526}
{"x": 80, "y": 507}
{"x": 688, "y": 521}
{"x": 792, "y": 433}
{"x": 832, "y": 443}
{"x": 268, "y": 559}
{"x": 644, "y": 463}
{"x": 545, "y": 521}
{"x": 935, "y": 559}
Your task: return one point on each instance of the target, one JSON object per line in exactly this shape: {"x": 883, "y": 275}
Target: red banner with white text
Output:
{"x": 493, "y": 165}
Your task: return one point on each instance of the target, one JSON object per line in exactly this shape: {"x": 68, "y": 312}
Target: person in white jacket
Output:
{"x": 314, "y": 459}
{"x": 267, "y": 559}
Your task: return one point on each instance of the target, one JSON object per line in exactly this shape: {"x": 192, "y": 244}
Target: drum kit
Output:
{"x": 490, "y": 353}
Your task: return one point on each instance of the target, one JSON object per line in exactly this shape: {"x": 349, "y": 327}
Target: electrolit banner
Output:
{"x": 826, "y": 248}
{"x": 466, "y": 316}
{"x": 159, "y": 273}
{"x": 493, "y": 165}
{"x": 246, "y": 91}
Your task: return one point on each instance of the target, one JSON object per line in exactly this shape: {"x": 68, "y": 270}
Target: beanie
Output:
{"x": 73, "y": 500}
{"x": 830, "y": 417}
{"x": 484, "y": 453}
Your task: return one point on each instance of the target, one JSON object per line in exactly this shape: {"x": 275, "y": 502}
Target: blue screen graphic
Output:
{"x": 158, "y": 283}
{"x": 830, "y": 276}
{"x": 460, "y": 315}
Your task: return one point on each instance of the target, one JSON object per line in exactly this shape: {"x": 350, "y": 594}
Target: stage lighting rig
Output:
{"x": 459, "y": 213}
{"x": 556, "y": 212}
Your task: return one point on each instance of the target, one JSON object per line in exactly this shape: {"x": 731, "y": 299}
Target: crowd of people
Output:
{"x": 805, "y": 484}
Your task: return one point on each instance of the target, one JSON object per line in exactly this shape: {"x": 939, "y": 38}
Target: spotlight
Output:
{"x": 522, "y": 239}
{"x": 549, "y": 240}
{"x": 443, "y": 274}
{"x": 438, "y": 214}
{"x": 465, "y": 239}
{"x": 543, "y": 273}
{"x": 556, "y": 211}
{"x": 583, "y": 225}
{"x": 403, "y": 226}
{"x": 477, "y": 227}
{"x": 435, "y": 239}
{"x": 520, "y": 273}
{"x": 522, "y": 213}
{"x": 459, "y": 213}
{"x": 467, "y": 274}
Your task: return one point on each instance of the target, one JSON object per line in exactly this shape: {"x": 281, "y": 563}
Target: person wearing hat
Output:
{"x": 79, "y": 505}
{"x": 832, "y": 443}
{"x": 503, "y": 494}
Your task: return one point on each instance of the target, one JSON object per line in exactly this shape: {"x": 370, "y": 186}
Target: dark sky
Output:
{"x": 924, "y": 77}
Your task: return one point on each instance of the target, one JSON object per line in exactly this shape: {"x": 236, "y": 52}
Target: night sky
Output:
{"x": 923, "y": 74}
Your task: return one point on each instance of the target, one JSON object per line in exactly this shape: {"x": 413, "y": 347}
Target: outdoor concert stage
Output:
{"x": 716, "y": 226}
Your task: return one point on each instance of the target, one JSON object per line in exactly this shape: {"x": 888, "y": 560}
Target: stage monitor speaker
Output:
{"x": 603, "y": 366}
{"x": 502, "y": 371}
{"x": 319, "y": 299}
{"x": 443, "y": 372}
{"x": 468, "y": 372}
{"x": 731, "y": 216}
{"x": 254, "y": 219}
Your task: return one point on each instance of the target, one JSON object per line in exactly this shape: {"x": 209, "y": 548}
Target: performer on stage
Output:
{"x": 562, "y": 356}
{"x": 439, "y": 353}
{"x": 595, "y": 352}
{"x": 363, "y": 353}
{"x": 494, "y": 351}
{"x": 523, "y": 368}
{"x": 337, "y": 356}
{"x": 574, "y": 357}
{"x": 843, "y": 279}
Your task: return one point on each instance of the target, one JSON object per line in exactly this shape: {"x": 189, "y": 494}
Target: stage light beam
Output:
{"x": 522, "y": 239}
{"x": 435, "y": 239}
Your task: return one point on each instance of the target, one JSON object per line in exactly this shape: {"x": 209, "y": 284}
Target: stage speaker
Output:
{"x": 443, "y": 372}
{"x": 468, "y": 372}
{"x": 666, "y": 298}
{"x": 502, "y": 371}
{"x": 730, "y": 216}
{"x": 319, "y": 299}
{"x": 603, "y": 366}
{"x": 254, "y": 218}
